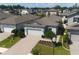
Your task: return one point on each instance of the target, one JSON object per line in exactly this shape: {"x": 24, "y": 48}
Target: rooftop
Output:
{"x": 14, "y": 19}
{"x": 73, "y": 27}
{"x": 45, "y": 21}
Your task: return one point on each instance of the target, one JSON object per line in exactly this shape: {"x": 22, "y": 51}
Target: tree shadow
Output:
{"x": 58, "y": 44}
{"x": 70, "y": 42}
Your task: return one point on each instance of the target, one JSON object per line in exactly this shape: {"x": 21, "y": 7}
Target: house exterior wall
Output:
{"x": 7, "y": 28}
{"x": 51, "y": 13}
{"x": 54, "y": 30}
{"x": 23, "y": 12}
{"x": 38, "y": 31}
{"x": 71, "y": 20}
{"x": 19, "y": 26}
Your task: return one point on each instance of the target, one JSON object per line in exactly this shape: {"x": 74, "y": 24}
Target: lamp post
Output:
{"x": 53, "y": 43}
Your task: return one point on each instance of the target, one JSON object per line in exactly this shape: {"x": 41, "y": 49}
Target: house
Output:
{"x": 53, "y": 12}
{"x": 24, "y": 12}
{"x": 72, "y": 18}
{"x": 15, "y": 21}
{"x": 33, "y": 25}
{"x": 6, "y": 11}
{"x": 37, "y": 27}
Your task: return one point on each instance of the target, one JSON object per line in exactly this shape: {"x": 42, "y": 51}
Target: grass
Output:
{"x": 61, "y": 51}
{"x": 9, "y": 42}
{"x": 47, "y": 50}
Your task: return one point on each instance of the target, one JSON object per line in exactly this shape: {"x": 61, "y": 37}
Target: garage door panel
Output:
{"x": 35, "y": 32}
{"x": 8, "y": 29}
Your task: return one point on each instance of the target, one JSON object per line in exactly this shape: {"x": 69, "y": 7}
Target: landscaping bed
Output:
{"x": 9, "y": 42}
{"x": 45, "y": 48}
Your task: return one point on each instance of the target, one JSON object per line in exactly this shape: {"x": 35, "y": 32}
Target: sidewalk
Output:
{"x": 74, "y": 47}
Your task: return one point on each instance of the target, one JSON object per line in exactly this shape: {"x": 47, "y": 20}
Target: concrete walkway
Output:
{"x": 2, "y": 50}
{"x": 24, "y": 46}
{"x": 74, "y": 47}
{"x": 4, "y": 35}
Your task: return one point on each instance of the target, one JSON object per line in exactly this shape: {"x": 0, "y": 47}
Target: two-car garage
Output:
{"x": 34, "y": 31}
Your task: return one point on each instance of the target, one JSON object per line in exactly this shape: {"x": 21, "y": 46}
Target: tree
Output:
{"x": 57, "y": 7}
{"x": 1, "y": 31}
{"x": 11, "y": 7}
{"x": 19, "y": 33}
{"x": 15, "y": 31}
{"x": 60, "y": 29}
{"x": 48, "y": 33}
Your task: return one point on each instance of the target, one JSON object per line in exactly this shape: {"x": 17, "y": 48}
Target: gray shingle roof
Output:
{"x": 30, "y": 20}
{"x": 73, "y": 27}
{"x": 4, "y": 15}
{"x": 46, "y": 21}
{"x": 69, "y": 14}
{"x": 18, "y": 19}
{"x": 50, "y": 20}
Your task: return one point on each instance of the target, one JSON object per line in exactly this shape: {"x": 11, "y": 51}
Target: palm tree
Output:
{"x": 62, "y": 31}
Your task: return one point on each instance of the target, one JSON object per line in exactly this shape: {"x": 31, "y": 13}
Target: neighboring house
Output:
{"x": 12, "y": 22}
{"x": 66, "y": 11}
{"x": 24, "y": 12}
{"x": 53, "y": 12}
{"x": 6, "y": 11}
{"x": 37, "y": 27}
{"x": 72, "y": 18}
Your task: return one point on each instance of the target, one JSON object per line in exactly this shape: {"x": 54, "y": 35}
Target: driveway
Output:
{"x": 4, "y": 35}
{"x": 74, "y": 47}
{"x": 24, "y": 46}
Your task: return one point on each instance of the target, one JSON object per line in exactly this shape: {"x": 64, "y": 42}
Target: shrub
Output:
{"x": 66, "y": 36}
{"x": 1, "y": 31}
{"x": 19, "y": 33}
{"x": 48, "y": 33}
{"x": 60, "y": 29}
{"x": 15, "y": 31}
{"x": 40, "y": 14}
{"x": 43, "y": 36}
{"x": 36, "y": 51}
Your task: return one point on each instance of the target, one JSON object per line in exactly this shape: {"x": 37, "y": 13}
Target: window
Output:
{"x": 76, "y": 19}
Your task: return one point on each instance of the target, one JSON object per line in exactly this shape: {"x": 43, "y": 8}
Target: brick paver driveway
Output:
{"x": 24, "y": 46}
{"x": 74, "y": 47}
{"x": 4, "y": 35}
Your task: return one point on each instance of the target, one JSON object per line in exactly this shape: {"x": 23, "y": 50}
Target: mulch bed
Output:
{"x": 46, "y": 43}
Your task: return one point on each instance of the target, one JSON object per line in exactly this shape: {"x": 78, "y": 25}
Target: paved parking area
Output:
{"x": 74, "y": 47}
{"x": 4, "y": 35}
{"x": 24, "y": 46}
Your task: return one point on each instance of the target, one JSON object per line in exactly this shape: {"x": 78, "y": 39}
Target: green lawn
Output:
{"x": 46, "y": 50}
{"x": 9, "y": 42}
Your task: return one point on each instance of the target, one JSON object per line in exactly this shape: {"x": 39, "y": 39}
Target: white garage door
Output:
{"x": 35, "y": 32}
{"x": 8, "y": 29}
